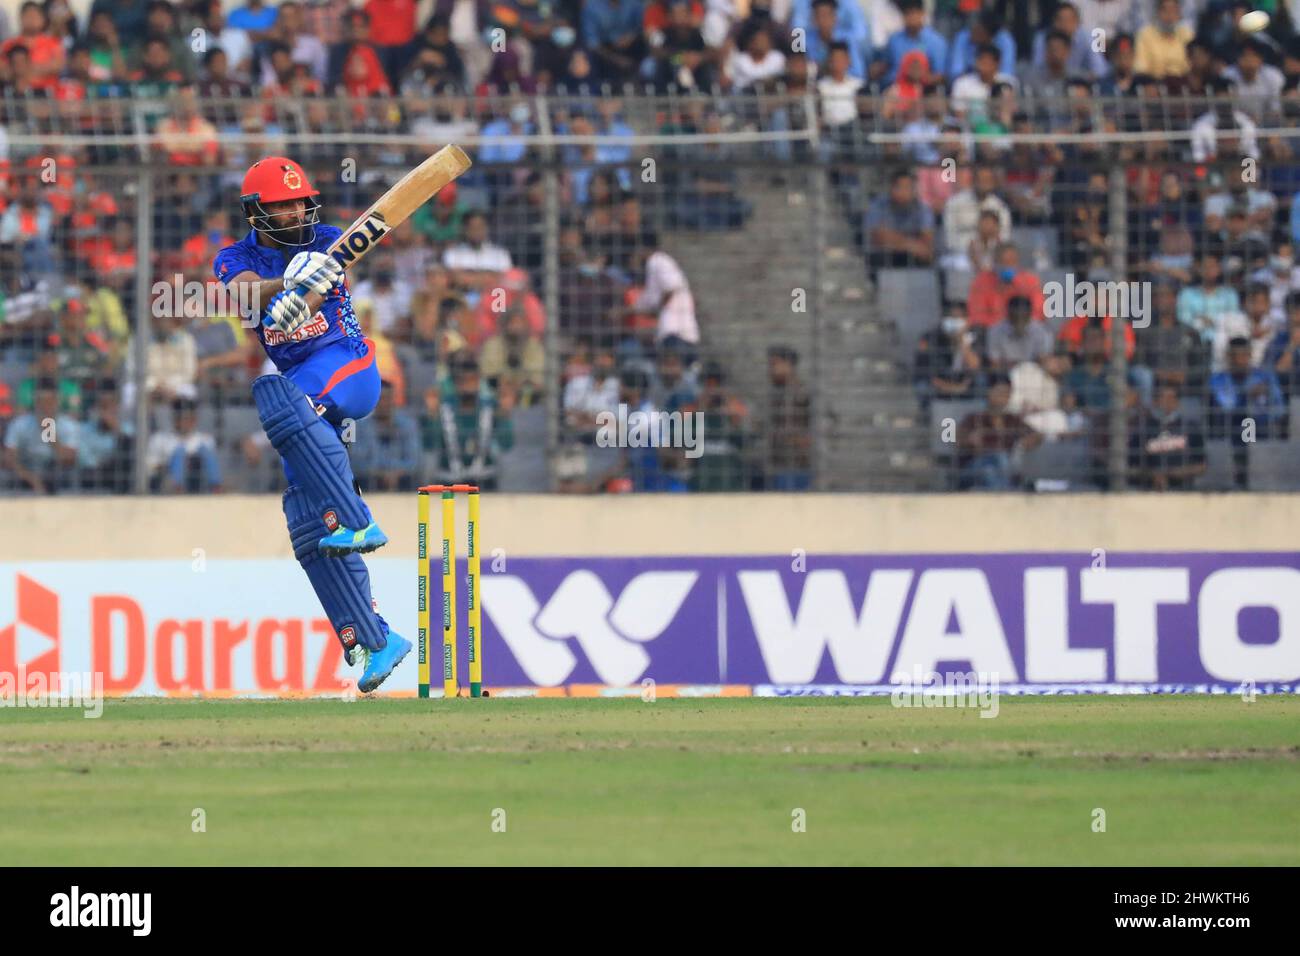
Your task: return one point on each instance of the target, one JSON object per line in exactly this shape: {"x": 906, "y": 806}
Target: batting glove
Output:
{"x": 287, "y": 312}
{"x": 312, "y": 272}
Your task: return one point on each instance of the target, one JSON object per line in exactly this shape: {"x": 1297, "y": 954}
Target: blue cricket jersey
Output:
{"x": 334, "y": 322}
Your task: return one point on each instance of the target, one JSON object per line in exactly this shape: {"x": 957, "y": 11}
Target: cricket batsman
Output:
{"x": 327, "y": 378}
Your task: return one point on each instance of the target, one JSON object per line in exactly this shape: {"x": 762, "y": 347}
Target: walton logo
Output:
{"x": 31, "y": 643}
{"x": 609, "y": 632}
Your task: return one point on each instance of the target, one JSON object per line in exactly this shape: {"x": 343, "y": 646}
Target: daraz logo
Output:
{"x": 31, "y": 643}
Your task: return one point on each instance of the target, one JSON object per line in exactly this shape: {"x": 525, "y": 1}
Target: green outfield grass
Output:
{"x": 1181, "y": 780}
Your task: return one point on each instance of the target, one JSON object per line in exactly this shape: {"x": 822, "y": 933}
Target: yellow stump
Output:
{"x": 449, "y": 685}
{"x": 422, "y": 642}
{"x": 474, "y": 611}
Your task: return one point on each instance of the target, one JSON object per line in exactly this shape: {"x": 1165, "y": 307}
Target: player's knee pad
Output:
{"x": 313, "y": 450}
{"x": 342, "y": 584}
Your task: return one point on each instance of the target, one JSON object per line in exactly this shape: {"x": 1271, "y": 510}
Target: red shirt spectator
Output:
{"x": 392, "y": 22}
{"x": 362, "y": 73}
{"x": 514, "y": 286}
{"x": 46, "y": 55}
{"x": 1071, "y": 335}
{"x": 993, "y": 288}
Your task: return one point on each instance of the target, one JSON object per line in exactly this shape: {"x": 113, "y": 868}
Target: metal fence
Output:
{"x": 855, "y": 287}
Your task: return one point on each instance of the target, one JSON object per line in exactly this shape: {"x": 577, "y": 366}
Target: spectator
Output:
{"x": 672, "y": 390}
{"x": 593, "y": 391}
{"x": 303, "y": 46}
{"x": 1169, "y": 352}
{"x": 985, "y": 29}
{"x": 1073, "y": 330}
{"x": 1256, "y": 324}
{"x": 1162, "y": 44}
{"x": 230, "y": 40}
{"x": 84, "y": 355}
{"x": 392, "y": 31}
{"x": 514, "y": 358}
{"x": 105, "y": 316}
{"x": 667, "y": 292}
{"x": 993, "y": 289}
{"x": 612, "y": 34}
{"x": 1123, "y": 77}
{"x": 787, "y": 424}
{"x": 838, "y": 91}
{"x": 27, "y": 226}
{"x": 184, "y": 460}
{"x": 104, "y": 445}
{"x": 48, "y": 370}
{"x": 1223, "y": 130}
{"x": 649, "y": 467}
{"x": 1171, "y": 445}
{"x": 971, "y": 91}
{"x": 513, "y": 292}
{"x": 157, "y": 73}
{"x": 961, "y": 217}
{"x": 1018, "y": 338}
{"x": 1087, "y": 386}
{"x": 437, "y": 63}
{"x": 727, "y": 436}
{"x": 1283, "y": 355}
{"x": 107, "y": 59}
{"x": 386, "y": 451}
{"x": 1082, "y": 57}
{"x": 1048, "y": 80}
{"x": 754, "y": 60}
{"x": 947, "y": 359}
{"x": 1246, "y": 402}
{"x": 1202, "y": 306}
{"x": 589, "y": 296}
{"x": 171, "y": 364}
{"x": 475, "y": 262}
{"x": 678, "y": 54}
{"x": 466, "y": 427}
{"x": 987, "y": 441}
{"x": 915, "y": 35}
{"x": 988, "y": 237}
{"x": 44, "y": 50}
{"x": 390, "y": 298}
{"x": 898, "y": 227}
{"x": 161, "y": 25}
{"x": 903, "y": 99}
{"x": 831, "y": 23}
{"x": 185, "y": 138}
{"x": 1256, "y": 85}
{"x": 40, "y": 446}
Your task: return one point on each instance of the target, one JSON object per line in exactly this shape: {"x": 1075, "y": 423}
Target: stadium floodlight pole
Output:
{"x": 142, "y": 328}
{"x": 1119, "y": 325}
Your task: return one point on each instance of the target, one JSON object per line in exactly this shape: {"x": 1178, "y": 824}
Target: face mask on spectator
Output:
{"x": 519, "y": 115}
{"x": 1281, "y": 263}
{"x": 563, "y": 36}
{"x": 1007, "y": 274}
{"x": 953, "y": 324}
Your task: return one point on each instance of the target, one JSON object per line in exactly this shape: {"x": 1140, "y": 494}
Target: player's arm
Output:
{"x": 248, "y": 286}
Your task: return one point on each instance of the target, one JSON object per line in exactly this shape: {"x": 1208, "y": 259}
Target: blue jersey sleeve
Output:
{"x": 230, "y": 262}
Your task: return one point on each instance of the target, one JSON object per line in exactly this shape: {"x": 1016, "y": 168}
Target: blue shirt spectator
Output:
{"x": 1242, "y": 392}
{"x": 507, "y": 150}
{"x": 961, "y": 54}
{"x": 255, "y": 18}
{"x": 915, "y": 35}
{"x": 604, "y": 21}
{"x": 851, "y": 26}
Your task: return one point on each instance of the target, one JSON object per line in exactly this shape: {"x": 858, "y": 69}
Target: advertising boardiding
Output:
{"x": 1044, "y": 622}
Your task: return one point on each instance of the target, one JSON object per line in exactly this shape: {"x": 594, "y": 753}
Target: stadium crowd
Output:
{"x": 455, "y": 300}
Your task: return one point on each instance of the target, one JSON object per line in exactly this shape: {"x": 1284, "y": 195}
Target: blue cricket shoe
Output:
{"x": 379, "y": 664}
{"x": 343, "y": 540}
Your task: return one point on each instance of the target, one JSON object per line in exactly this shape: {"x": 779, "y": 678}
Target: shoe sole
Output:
{"x": 384, "y": 676}
{"x": 334, "y": 551}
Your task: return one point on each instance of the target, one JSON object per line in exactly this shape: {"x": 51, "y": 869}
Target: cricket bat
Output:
{"x": 392, "y": 208}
